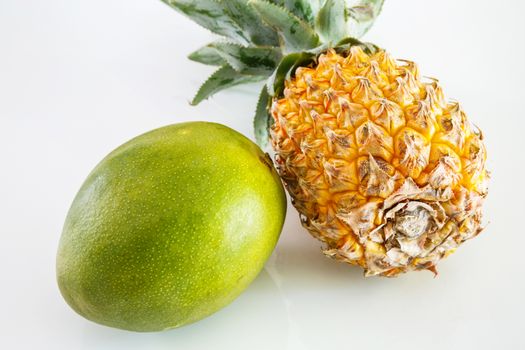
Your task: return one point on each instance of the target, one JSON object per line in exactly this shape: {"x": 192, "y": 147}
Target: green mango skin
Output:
{"x": 170, "y": 227}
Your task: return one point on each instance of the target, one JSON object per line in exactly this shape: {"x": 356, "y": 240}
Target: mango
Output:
{"x": 170, "y": 227}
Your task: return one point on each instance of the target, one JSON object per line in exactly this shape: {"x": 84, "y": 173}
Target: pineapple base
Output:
{"x": 412, "y": 229}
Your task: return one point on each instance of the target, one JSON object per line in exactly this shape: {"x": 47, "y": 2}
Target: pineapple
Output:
{"x": 385, "y": 171}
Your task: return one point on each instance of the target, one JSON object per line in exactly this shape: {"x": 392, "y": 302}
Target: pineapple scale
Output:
{"x": 382, "y": 169}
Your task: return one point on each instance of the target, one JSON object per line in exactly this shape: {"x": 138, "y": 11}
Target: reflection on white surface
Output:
{"x": 256, "y": 320}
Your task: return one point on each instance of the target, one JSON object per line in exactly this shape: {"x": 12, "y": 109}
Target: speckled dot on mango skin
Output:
{"x": 169, "y": 228}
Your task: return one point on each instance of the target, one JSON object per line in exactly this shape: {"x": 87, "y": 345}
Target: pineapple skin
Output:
{"x": 382, "y": 169}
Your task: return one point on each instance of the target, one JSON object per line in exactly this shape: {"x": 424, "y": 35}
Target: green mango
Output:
{"x": 170, "y": 227}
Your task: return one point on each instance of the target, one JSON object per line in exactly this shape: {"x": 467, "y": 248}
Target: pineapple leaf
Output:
{"x": 286, "y": 69}
{"x": 262, "y": 120}
{"x": 249, "y": 60}
{"x": 304, "y": 9}
{"x": 223, "y": 78}
{"x": 207, "y": 55}
{"x": 211, "y": 15}
{"x": 248, "y": 19}
{"x": 331, "y": 21}
{"x": 362, "y": 16}
{"x": 347, "y": 43}
{"x": 296, "y": 34}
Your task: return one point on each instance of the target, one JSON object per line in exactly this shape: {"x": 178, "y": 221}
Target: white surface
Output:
{"x": 78, "y": 78}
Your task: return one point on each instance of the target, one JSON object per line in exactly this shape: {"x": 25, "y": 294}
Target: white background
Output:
{"x": 78, "y": 78}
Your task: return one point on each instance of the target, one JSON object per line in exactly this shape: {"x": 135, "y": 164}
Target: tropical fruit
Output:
{"x": 380, "y": 167}
{"x": 385, "y": 171}
{"x": 170, "y": 227}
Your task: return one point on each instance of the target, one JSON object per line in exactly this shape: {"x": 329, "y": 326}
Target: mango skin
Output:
{"x": 170, "y": 227}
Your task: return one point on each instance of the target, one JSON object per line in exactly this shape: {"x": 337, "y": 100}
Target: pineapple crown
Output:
{"x": 269, "y": 39}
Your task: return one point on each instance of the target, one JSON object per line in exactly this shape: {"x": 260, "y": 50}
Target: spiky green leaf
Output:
{"x": 207, "y": 55}
{"x": 304, "y": 9}
{"x": 248, "y": 19}
{"x": 362, "y": 15}
{"x": 262, "y": 120}
{"x": 331, "y": 21}
{"x": 211, "y": 15}
{"x": 296, "y": 34}
{"x": 223, "y": 78}
{"x": 234, "y": 19}
{"x": 345, "y": 45}
{"x": 286, "y": 69}
{"x": 249, "y": 60}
